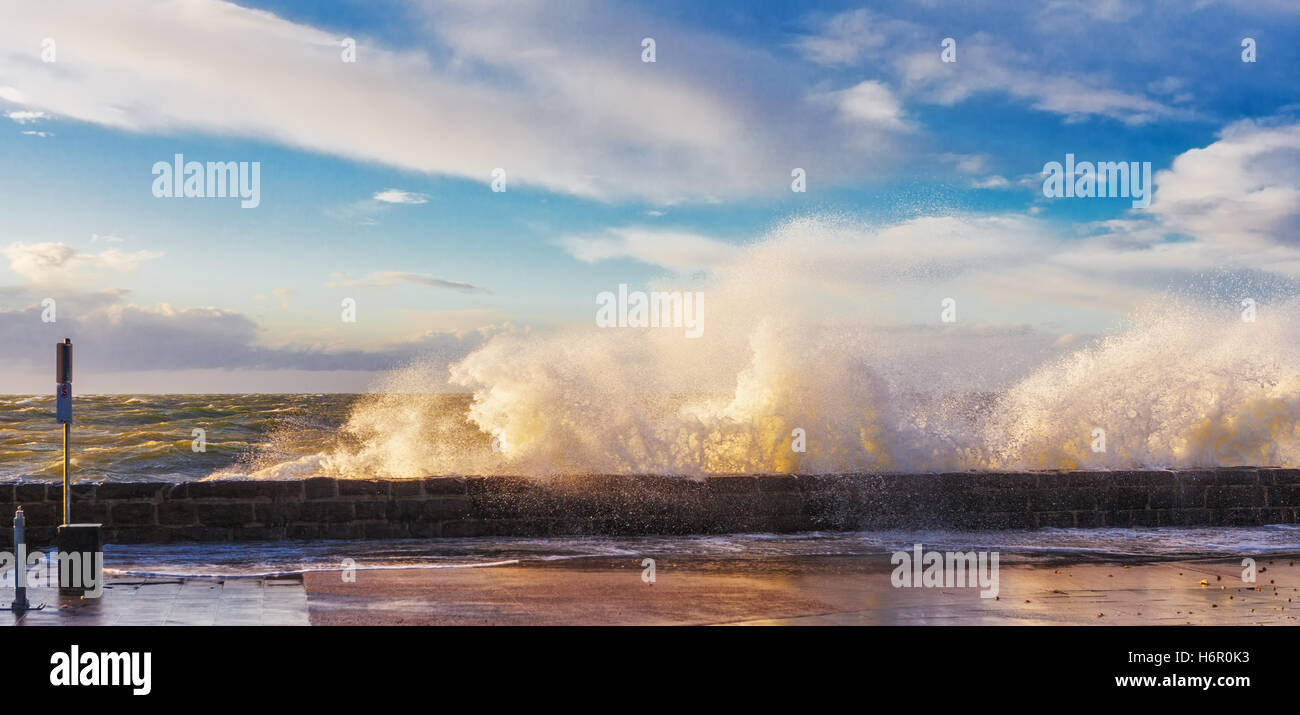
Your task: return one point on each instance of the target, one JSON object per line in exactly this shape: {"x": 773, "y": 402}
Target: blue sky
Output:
{"x": 618, "y": 170}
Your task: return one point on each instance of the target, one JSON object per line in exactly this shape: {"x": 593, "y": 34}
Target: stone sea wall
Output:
{"x": 450, "y": 507}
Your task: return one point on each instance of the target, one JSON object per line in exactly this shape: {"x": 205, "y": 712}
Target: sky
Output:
{"x": 924, "y": 177}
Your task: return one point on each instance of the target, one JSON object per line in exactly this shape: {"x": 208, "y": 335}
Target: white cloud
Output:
{"x": 991, "y": 182}
{"x": 25, "y": 117}
{"x": 560, "y": 100}
{"x": 871, "y": 103}
{"x": 827, "y": 251}
{"x": 1243, "y": 189}
{"x": 398, "y": 196}
{"x": 366, "y": 211}
{"x": 52, "y": 263}
{"x": 677, "y": 251}
{"x": 1229, "y": 209}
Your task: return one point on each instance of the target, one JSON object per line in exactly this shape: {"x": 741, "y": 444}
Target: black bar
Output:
{"x": 1026, "y": 668}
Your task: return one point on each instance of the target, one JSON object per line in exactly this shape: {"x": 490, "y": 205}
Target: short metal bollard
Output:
{"x": 20, "y": 604}
{"x": 20, "y": 568}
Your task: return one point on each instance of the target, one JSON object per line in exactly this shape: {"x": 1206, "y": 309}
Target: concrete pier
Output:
{"x": 326, "y": 508}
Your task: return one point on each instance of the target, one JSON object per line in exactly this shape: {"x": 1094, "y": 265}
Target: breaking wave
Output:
{"x": 789, "y": 349}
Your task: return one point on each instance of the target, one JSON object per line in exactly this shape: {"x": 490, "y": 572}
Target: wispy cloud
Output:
{"x": 676, "y": 250}
{"x": 993, "y": 181}
{"x": 985, "y": 65}
{"x": 997, "y": 68}
{"x": 967, "y": 163}
{"x": 387, "y": 279}
{"x": 561, "y": 101}
{"x": 25, "y": 117}
{"x": 366, "y": 211}
{"x": 849, "y": 37}
{"x": 398, "y": 196}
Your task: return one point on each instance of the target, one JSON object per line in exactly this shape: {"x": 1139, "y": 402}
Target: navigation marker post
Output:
{"x": 63, "y": 412}
{"x": 81, "y": 539}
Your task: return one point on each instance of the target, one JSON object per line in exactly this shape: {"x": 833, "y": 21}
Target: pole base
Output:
{"x": 87, "y": 541}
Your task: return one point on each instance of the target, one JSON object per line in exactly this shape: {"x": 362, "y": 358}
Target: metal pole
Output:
{"x": 63, "y": 413}
{"x": 67, "y": 490}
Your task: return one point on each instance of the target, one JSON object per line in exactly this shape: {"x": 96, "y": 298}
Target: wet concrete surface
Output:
{"x": 170, "y": 602}
{"x": 809, "y": 590}
{"x": 804, "y": 590}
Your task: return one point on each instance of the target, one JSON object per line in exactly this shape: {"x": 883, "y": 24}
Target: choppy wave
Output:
{"x": 152, "y": 437}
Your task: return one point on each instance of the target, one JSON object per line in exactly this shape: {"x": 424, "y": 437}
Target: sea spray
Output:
{"x": 812, "y": 363}
{"x": 1186, "y": 383}
{"x": 1183, "y": 385}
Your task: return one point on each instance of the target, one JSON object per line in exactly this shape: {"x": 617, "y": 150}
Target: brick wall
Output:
{"x": 323, "y": 508}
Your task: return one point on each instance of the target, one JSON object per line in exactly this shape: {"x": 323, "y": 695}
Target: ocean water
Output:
{"x": 151, "y": 437}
